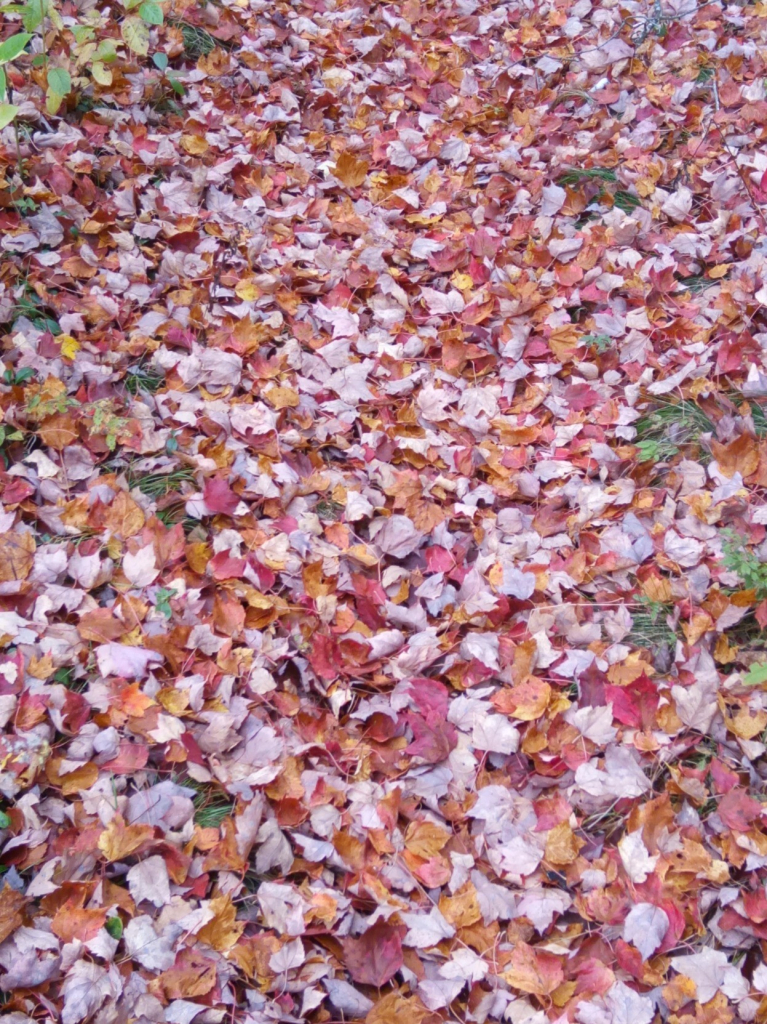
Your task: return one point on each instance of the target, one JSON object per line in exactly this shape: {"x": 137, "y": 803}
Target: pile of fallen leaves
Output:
{"x": 383, "y": 542}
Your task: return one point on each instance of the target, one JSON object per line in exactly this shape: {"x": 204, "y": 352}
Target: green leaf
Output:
{"x": 114, "y": 926}
{"x": 7, "y": 113}
{"x": 160, "y": 60}
{"x": 101, "y": 74}
{"x": 39, "y": 60}
{"x": 5, "y": 821}
{"x": 106, "y": 51}
{"x": 13, "y": 47}
{"x": 756, "y": 675}
{"x": 59, "y": 81}
{"x": 176, "y": 86}
{"x": 150, "y": 13}
{"x": 136, "y": 35}
{"x": 130, "y": 4}
{"x": 3, "y": 83}
{"x": 34, "y": 12}
{"x": 82, "y": 33}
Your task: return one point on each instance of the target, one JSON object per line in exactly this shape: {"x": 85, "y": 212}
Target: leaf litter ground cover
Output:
{"x": 383, "y": 543}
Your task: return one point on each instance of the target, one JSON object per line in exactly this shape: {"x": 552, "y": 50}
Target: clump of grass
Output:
{"x": 329, "y": 509}
{"x": 697, "y": 283}
{"x": 157, "y": 485}
{"x": 669, "y": 428}
{"x": 575, "y": 176}
{"x": 211, "y": 806}
{"x": 143, "y": 378}
{"x": 626, "y": 201}
{"x": 197, "y": 42}
{"x": 649, "y": 625}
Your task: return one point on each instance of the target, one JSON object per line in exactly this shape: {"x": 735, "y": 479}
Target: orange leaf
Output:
{"x": 72, "y": 922}
{"x": 350, "y": 170}
{"x": 739, "y": 456}
{"x": 533, "y": 970}
{"x": 424, "y": 839}
{"x": 224, "y": 930}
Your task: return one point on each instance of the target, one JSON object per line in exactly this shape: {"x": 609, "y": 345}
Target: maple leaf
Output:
{"x": 376, "y": 956}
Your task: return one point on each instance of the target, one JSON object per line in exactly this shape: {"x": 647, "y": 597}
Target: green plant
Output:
{"x": 670, "y": 427}
{"x": 756, "y": 675}
{"x": 65, "y": 676}
{"x": 744, "y": 562}
{"x": 601, "y": 343}
{"x": 30, "y": 306}
{"x": 652, "y": 450}
{"x": 161, "y": 63}
{"x": 162, "y": 601}
{"x": 328, "y": 509}
{"x": 16, "y": 377}
{"x": 106, "y": 423}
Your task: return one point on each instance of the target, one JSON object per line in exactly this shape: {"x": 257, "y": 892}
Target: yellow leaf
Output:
{"x": 119, "y": 840}
{"x": 247, "y": 291}
{"x": 282, "y": 398}
{"x": 69, "y": 346}
{"x": 195, "y": 145}
{"x": 720, "y": 270}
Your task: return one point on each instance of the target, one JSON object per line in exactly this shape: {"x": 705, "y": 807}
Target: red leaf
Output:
{"x": 376, "y": 956}
{"x": 219, "y": 496}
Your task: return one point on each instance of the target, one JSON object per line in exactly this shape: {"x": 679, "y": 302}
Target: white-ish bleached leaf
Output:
{"x": 426, "y": 930}
{"x": 85, "y": 988}
{"x": 141, "y": 567}
{"x": 517, "y": 583}
{"x": 635, "y": 857}
{"x": 443, "y": 303}
{"x": 288, "y": 957}
{"x": 465, "y": 964}
{"x": 347, "y": 999}
{"x": 148, "y": 880}
{"x": 496, "y": 734}
{"x": 124, "y": 661}
{"x": 151, "y": 950}
{"x": 541, "y": 906}
{"x": 646, "y": 926}
{"x": 593, "y": 723}
{"x": 483, "y": 647}
{"x": 707, "y": 969}
{"x": 396, "y": 536}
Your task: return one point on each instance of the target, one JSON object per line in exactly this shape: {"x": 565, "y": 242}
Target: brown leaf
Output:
{"x": 376, "y": 956}
{"x": 17, "y": 555}
{"x": 12, "y": 903}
